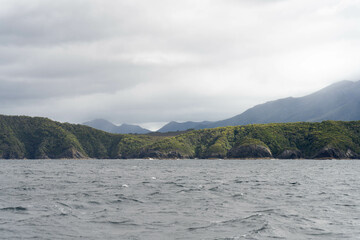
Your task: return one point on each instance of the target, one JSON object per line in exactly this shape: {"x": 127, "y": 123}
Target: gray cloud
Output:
{"x": 156, "y": 61}
{"x": 42, "y": 22}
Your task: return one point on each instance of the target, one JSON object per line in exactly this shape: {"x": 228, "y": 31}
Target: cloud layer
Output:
{"x": 140, "y": 61}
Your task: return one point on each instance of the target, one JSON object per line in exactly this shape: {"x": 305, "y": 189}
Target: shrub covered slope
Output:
{"x": 38, "y": 138}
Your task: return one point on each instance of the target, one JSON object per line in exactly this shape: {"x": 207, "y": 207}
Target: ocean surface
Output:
{"x": 179, "y": 199}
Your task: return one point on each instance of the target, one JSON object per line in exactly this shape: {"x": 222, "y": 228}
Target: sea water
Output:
{"x": 179, "y": 199}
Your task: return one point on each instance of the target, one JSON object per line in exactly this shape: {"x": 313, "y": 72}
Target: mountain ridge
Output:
{"x": 183, "y": 126}
{"x": 107, "y": 126}
{"x": 339, "y": 101}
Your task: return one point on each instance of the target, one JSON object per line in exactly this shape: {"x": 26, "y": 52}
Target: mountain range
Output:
{"x": 339, "y": 101}
{"x": 107, "y": 126}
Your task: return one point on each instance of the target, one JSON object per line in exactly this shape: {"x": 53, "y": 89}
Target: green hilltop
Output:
{"x": 24, "y": 137}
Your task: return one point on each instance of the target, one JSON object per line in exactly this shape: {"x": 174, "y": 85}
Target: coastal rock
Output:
{"x": 352, "y": 155}
{"x": 150, "y": 153}
{"x": 329, "y": 152}
{"x": 215, "y": 155}
{"x": 11, "y": 155}
{"x": 250, "y": 151}
{"x": 174, "y": 154}
{"x": 290, "y": 154}
{"x": 71, "y": 153}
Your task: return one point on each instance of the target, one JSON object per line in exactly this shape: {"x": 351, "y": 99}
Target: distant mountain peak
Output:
{"x": 338, "y": 101}
{"x": 107, "y": 126}
{"x": 99, "y": 120}
{"x": 176, "y": 126}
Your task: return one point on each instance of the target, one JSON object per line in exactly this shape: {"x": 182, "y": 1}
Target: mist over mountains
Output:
{"x": 339, "y": 101}
{"x": 36, "y": 137}
{"x": 176, "y": 126}
{"x": 108, "y": 126}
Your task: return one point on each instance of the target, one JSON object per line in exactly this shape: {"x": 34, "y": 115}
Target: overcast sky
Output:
{"x": 142, "y": 61}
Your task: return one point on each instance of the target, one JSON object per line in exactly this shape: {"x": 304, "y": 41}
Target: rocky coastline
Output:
{"x": 41, "y": 138}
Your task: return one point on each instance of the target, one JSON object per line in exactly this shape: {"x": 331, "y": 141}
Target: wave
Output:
{"x": 14, "y": 209}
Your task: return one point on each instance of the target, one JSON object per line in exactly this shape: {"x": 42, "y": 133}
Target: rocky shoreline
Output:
{"x": 40, "y": 138}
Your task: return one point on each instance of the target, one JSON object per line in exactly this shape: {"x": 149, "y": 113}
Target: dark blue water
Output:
{"x": 184, "y": 199}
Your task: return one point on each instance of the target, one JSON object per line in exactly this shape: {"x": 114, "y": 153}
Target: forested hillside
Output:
{"x": 39, "y": 138}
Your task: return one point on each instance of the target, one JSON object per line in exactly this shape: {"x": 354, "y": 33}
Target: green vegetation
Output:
{"x": 32, "y": 138}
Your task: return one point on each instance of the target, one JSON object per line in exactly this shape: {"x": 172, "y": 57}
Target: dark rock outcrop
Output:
{"x": 71, "y": 153}
{"x": 290, "y": 154}
{"x": 350, "y": 154}
{"x": 250, "y": 151}
{"x": 150, "y": 153}
{"x": 214, "y": 155}
{"x": 329, "y": 152}
{"x": 11, "y": 155}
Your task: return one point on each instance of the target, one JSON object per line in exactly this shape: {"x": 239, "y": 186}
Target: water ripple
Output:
{"x": 190, "y": 199}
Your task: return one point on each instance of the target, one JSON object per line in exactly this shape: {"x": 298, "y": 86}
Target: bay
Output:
{"x": 179, "y": 199}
